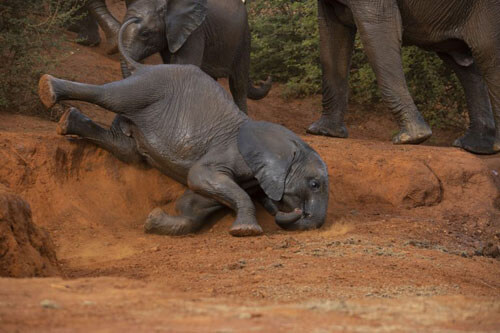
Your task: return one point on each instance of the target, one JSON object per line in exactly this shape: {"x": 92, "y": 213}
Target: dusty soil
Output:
{"x": 409, "y": 242}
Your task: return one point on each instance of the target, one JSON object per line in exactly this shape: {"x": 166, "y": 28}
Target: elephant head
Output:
{"x": 291, "y": 174}
{"x": 160, "y": 24}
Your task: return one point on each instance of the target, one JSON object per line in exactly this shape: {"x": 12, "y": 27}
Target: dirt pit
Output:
{"x": 409, "y": 243}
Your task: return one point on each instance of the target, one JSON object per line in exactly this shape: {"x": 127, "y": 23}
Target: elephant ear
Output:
{"x": 182, "y": 17}
{"x": 269, "y": 150}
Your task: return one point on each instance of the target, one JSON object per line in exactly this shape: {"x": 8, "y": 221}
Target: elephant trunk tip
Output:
{"x": 257, "y": 93}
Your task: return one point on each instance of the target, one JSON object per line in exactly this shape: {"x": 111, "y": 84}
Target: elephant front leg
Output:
{"x": 209, "y": 180}
{"x": 380, "y": 29}
{"x": 336, "y": 46}
{"x": 194, "y": 209}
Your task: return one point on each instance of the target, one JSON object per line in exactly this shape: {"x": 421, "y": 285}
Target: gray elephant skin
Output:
{"x": 464, "y": 33}
{"x": 180, "y": 121}
{"x": 211, "y": 34}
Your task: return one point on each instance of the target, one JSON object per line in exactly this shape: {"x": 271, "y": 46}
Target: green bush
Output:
{"x": 285, "y": 44}
{"x": 27, "y": 37}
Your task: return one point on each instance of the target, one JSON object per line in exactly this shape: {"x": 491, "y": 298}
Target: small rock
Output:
{"x": 49, "y": 304}
{"x": 88, "y": 303}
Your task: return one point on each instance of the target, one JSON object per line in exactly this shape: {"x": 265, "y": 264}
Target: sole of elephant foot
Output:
{"x": 323, "y": 128}
{"x": 245, "y": 230}
{"x": 475, "y": 145}
{"x": 62, "y": 125}
{"x": 46, "y": 91}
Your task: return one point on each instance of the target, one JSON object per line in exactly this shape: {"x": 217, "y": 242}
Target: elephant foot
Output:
{"x": 476, "y": 142}
{"x": 326, "y": 127}
{"x": 243, "y": 229}
{"x": 46, "y": 91}
{"x": 158, "y": 222}
{"x": 69, "y": 121}
{"x": 88, "y": 38}
{"x": 414, "y": 132}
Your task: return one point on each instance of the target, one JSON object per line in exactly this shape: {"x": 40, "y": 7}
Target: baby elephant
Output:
{"x": 178, "y": 119}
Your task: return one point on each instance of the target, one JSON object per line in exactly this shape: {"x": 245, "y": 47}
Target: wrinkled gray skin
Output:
{"x": 213, "y": 35}
{"x": 95, "y": 14}
{"x": 464, "y": 33}
{"x": 179, "y": 120}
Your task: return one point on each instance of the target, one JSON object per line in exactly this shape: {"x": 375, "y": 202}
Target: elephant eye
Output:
{"x": 145, "y": 33}
{"x": 314, "y": 184}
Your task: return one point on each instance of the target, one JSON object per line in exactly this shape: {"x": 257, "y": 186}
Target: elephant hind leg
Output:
{"x": 480, "y": 135}
{"x": 194, "y": 210}
{"x": 73, "y": 122}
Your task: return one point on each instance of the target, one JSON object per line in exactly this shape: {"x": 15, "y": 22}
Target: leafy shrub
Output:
{"x": 285, "y": 44}
{"x": 27, "y": 34}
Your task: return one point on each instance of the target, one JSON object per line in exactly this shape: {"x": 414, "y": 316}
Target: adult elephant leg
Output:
{"x": 114, "y": 140}
{"x": 480, "y": 135}
{"x": 107, "y": 22}
{"x": 207, "y": 179}
{"x": 238, "y": 82}
{"x": 380, "y": 28}
{"x": 194, "y": 209}
{"x": 336, "y": 46}
{"x": 87, "y": 29}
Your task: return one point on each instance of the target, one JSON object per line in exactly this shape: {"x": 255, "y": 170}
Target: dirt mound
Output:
{"x": 25, "y": 249}
{"x": 84, "y": 192}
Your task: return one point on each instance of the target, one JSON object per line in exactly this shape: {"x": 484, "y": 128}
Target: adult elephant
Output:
{"x": 179, "y": 120}
{"x": 211, "y": 34}
{"x": 464, "y": 33}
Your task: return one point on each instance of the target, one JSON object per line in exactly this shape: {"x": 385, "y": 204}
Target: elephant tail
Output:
{"x": 127, "y": 64}
{"x": 256, "y": 93}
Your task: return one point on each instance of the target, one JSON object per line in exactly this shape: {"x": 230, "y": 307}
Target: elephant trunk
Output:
{"x": 127, "y": 63}
{"x": 312, "y": 217}
{"x": 125, "y": 70}
{"x": 287, "y": 218}
{"x": 257, "y": 93}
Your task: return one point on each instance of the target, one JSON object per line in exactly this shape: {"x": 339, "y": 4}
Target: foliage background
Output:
{"x": 27, "y": 34}
{"x": 285, "y": 44}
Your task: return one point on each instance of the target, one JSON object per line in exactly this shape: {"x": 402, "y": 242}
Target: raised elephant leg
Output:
{"x": 107, "y": 22}
{"x": 380, "y": 29}
{"x": 336, "y": 46}
{"x": 114, "y": 140}
{"x": 194, "y": 209}
{"x": 480, "y": 135}
{"x": 209, "y": 178}
{"x": 127, "y": 95}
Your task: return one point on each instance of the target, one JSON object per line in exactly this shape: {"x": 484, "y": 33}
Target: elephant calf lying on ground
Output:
{"x": 178, "y": 119}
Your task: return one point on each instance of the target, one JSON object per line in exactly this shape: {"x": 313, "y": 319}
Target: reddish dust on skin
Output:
{"x": 398, "y": 252}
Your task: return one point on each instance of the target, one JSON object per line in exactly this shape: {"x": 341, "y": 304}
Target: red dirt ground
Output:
{"x": 407, "y": 246}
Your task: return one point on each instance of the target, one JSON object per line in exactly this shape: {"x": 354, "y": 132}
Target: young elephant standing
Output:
{"x": 211, "y": 34}
{"x": 179, "y": 120}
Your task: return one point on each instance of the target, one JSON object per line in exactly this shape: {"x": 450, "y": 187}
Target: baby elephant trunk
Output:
{"x": 288, "y": 218}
